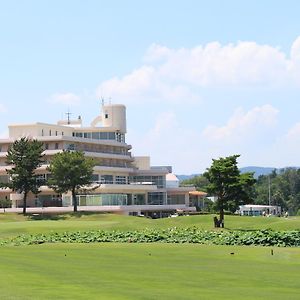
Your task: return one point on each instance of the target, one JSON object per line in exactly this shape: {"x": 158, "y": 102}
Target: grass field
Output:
{"x": 14, "y": 224}
{"x": 145, "y": 271}
{"x": 148, "y": 271}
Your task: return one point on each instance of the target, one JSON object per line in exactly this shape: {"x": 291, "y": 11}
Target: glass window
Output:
{"x": 108, "y": 179}
{"x": 156, "y": 198}
{"x": 111, "y": 136}
{"x": 121, "y": 180}
{"x": 95, "y": 178}
{"x": 95, "y": 135}
{"x": 103, "y": 135}
{"x": 176, "y": 199}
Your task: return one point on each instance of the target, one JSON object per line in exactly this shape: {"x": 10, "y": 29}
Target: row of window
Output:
{"x": 159, "y": 181}
{"x": 98, "y": 148}
{"x": 109, "y": 179}
{"x": 117, "y": 199}
{"x": 120, "y": 137}
{"x": 56, "y": 133}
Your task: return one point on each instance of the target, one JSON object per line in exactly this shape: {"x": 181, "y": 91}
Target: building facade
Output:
{"x": 121, "y": 182}
{"x": 259, "y": 210}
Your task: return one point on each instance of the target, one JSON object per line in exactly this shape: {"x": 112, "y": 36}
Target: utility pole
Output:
{"x": 269, "y": 181}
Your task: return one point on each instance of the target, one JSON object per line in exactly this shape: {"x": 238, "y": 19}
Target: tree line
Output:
{"x": 281, "y": 187}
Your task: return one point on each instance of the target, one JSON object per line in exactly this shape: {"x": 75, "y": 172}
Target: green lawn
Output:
{"x": 14, "y": 224}
{"x": 145, "y": 271}
{"x": 148, "y": 271}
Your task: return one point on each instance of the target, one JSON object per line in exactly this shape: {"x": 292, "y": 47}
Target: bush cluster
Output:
{"x": 171, "y": 235}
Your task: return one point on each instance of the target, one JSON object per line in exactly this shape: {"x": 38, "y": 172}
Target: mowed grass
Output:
{"x": 148, "y": 271}
{"x": 144, "y": 271}
{"x": 15, "y": 224}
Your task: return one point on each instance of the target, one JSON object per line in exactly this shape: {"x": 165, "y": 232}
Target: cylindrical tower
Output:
{"x": 114, "y": 116}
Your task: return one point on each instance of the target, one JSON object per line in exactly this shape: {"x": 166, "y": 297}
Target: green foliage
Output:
{"x": 70, "y": 171}
{"x": 5, "y": 203}
{"x": 25, "y": 156}
{"x": 170, "y": 235}
{"x": 284, "y": 189}
{"x": 226, "y": 182}
{"x": 200, "y": 182}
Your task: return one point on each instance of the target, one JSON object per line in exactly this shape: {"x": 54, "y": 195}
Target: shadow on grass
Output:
{"x": 39, "y": 217}
{"x": 64, "y": 216}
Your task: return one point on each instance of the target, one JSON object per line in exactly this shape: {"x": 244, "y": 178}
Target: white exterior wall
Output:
{"x": 114, "y": 116}
{"x": 142, "y": 162}
{"x": 38, "y": 130}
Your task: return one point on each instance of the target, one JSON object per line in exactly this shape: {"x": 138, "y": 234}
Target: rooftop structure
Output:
{"x": 125, "y": 183}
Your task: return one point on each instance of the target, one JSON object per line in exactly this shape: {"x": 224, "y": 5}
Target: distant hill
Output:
{"x": 263, "y": 170}
{"x": 184, "y": 177}
{"x": 257, "y": 172}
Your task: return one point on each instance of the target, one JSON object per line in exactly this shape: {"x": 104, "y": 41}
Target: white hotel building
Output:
{"x": 125, "y": 183}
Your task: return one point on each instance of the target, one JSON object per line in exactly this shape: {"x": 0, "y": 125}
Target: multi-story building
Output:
{"x": 121, "y": 182}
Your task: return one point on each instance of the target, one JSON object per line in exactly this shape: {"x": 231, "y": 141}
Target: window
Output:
{"x": 107, "y": 179}
{"x": 121, "y": 180}
{"x": 156, "y": 198}
{"x": 56, "y": 133}
{"x": 71, "y": 147}
{"x": 111, "y": 136}
{"x": 56, "y": 146}
{"x": 95, "y": 178}
{"x": 176, "y": 199}
{"x": 42, "y": 132}
{"x": 50, "y": 132}
{"x": 106, "y": 115}
{"x": 47, "y": 146}
{"x": 95, "y": 135}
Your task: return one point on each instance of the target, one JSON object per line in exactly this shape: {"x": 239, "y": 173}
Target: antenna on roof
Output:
{"x": 102, "y": 99}
{"x": 68, "y": 114}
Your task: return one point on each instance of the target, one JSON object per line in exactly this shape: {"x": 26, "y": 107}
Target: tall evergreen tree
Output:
{"x": 230, "y": 187}
{"x": 25, "y": 156}
{"x": 70, "y": 171}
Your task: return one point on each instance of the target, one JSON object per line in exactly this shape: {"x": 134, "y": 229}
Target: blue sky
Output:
{"x": 200, "y": 79}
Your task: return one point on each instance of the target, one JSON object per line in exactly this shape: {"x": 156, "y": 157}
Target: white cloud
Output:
{"x": 170, "y": 143}
{"x": 243, "y": 124}
{"x": 178, "y": 74}
{"x": 144, "y": 84}
{"x": 294, "y": 132}
{"x": 65, "y": 98}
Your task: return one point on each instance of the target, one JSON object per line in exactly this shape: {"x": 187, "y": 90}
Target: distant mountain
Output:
{"x": 263, "y": 170}
{"x": 184, "y": 177}
{"x": 257, "y": 172}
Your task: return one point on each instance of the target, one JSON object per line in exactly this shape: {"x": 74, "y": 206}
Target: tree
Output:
{"x": 199, "y": 181}
{"x": 230, "y": 186}
{"x": 281, "y": 189}
{"x": 70, "y": 171}
{"x": 25, "y": 156}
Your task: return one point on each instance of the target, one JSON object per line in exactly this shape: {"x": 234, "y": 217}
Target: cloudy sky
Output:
{"x": 200, "y": 79}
